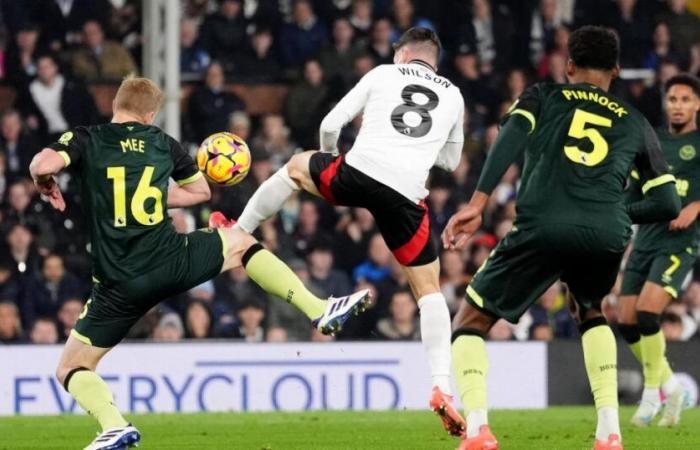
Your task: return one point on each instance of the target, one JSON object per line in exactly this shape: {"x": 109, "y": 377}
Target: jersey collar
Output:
{"x": 420, "y": 62}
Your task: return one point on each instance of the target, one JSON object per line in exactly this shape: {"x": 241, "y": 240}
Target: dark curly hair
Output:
{"x": 685, "y": 79}
{"x": 594, "y": 47}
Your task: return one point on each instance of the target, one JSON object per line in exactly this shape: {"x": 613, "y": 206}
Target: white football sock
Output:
{"x": 267, "y": 200}
{"x": 435, "y": 331}
{"x": 475, "y": 419}
{"x": 671, "y": 385}
{"x": 608, "y": 423}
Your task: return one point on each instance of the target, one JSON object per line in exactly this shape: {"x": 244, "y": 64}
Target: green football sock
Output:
{"x": 471, "y": 365}
{"x": 94, "y": 396}
{"x": 653, "y": 350}
{"x": 600, "y": 355}
{"x": 276, "y": 278}
{"x": 666, "y": 371}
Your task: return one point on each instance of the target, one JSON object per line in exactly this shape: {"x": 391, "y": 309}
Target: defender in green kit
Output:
{"x": 664, "y": 254}
{"x": 580, "y": 144}
{"x": 124, "y": 168}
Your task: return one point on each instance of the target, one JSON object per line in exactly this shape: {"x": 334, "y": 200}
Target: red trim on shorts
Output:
{"x": 326, "y": 178}
{"x": 411, "y": 249}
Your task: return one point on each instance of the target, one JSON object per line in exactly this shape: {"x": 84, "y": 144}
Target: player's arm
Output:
{"x": 451, "y": 152}
{"x": 190, "y": 187}
{"x": 686, "y": 218}
{"x": 343, "y": 112}
{"x": 54, "y": 158}
{"x": 660, "y": 200}
{"x": 509, "y": 145}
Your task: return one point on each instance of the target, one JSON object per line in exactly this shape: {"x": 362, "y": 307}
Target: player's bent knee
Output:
{"x": 648, "y": 323}
{"x": 466, "y": 331}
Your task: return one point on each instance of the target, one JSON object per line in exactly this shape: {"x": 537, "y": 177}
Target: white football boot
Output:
{"x": 116, "y": 439}
{"x": 339, "y": 310}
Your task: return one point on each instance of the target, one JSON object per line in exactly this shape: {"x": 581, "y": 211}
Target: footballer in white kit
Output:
{"x": 412, "y": 120}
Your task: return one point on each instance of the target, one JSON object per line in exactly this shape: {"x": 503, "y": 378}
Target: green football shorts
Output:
{"x": 528, "y": 261}
{"x": 662, "y": 268}
{"x": 114, "y": 308}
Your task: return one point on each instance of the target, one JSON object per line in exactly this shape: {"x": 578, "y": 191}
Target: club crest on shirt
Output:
{"x": 687, "y": 152}
{"x": 65, "y": 138}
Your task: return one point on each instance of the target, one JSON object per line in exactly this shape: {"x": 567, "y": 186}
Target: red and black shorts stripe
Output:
{"x": 404, "y": 225}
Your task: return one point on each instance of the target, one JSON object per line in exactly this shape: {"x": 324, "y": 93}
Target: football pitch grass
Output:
{"x": 554, "y": 428}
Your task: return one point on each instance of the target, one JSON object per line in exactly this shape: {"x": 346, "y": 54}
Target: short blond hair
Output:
{"x": 138, "y": 95}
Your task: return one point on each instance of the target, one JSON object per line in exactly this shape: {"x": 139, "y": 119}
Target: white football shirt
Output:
{"x": 412, "y": 120}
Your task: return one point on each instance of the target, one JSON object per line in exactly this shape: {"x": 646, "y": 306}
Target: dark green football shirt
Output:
{"x": 581, "y": 149}
{"x": 124, "y": 170}
{"x": 681, "y": 153}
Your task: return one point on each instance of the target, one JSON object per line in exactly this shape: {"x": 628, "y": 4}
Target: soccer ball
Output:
{"x": 224, "y": 158}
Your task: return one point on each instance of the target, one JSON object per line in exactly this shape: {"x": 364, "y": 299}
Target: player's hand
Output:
{"x": 686, "y": 218}
{"x": 461, "y": 227}
{"x": 52, "y": 192}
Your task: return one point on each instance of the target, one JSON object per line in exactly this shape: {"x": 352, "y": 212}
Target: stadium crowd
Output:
{"x": 50, "y": 50}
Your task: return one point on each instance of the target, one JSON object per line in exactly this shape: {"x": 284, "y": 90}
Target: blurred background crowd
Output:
{"x": 56, "y": 56}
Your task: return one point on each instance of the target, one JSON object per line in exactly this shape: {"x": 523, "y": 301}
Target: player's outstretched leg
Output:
{"x": 76, "y": 372}
{"x": 435, "y": 331}
{"x": 600, "y": 356}
{"x": 276, "y": 278}
{"x": 657, "y": 371}
{"x": 269, "y": 198}
{"x": 471, "y": 366}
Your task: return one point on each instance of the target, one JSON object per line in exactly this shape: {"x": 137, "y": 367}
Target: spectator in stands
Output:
{"x": 194, "y": 60}
{"x": 10, "y": 325}
{"x": 377, "y": 267}
{"x": 694, "y": 63}
{"x": 199, "y": 323}
{"x": 452, "y": 278}
{"x": 308, "y": 227}
{"x": 18, "y": 147}
{"x": 21, "y": 58}
{"x": 633, "y": 25}
{"x": 545, "y": 20}
{"x": 261, "y": 62}
{"x": 320, "y": 259}
{"x": 403, "y": 12}
{"x": 53, "y": 104}
{"x": 555, "y": 55}
{"x": 44, "y": 331}
{"x": 62, "y": 20}
{"x": 651, "y": 102}
{"x": 169, "y": 328}
{"x": 516, "y": 82}
{"x": 251, "y": 313}
{"x": 100, "y": 59}
{"x": 541, "y": 331}
{"x": 662, "y": 47}
{"x": 274, "y": 139}
{"x": 303, "y": 37}
{"x": 46, "y": 292}
{"x": 239, "y": 124}
{"x": 361, "y": 18}
{"x": 684, "y": 26}
{"x": 276, "y": 334}
{"x": 68, "y": 314}
{"x": 20, "y": 209}
{"x": 306, "y": 105}
{"x": 223, "y": 34}
{"x": 492, "y": 32}
{"x": 23, "y": 256}
{"x": 501, "y": 331}
{"x": 211, "y": 105}
{"x": 481, "y": 100}
{"x": 672, "y": 327}
{"x": 354, "y": 231}
{"x": 379, "y": 46}
{"x": 402, "y": 324}
{"x": 338, "y": 58}
{"x": 552, "y": 309}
